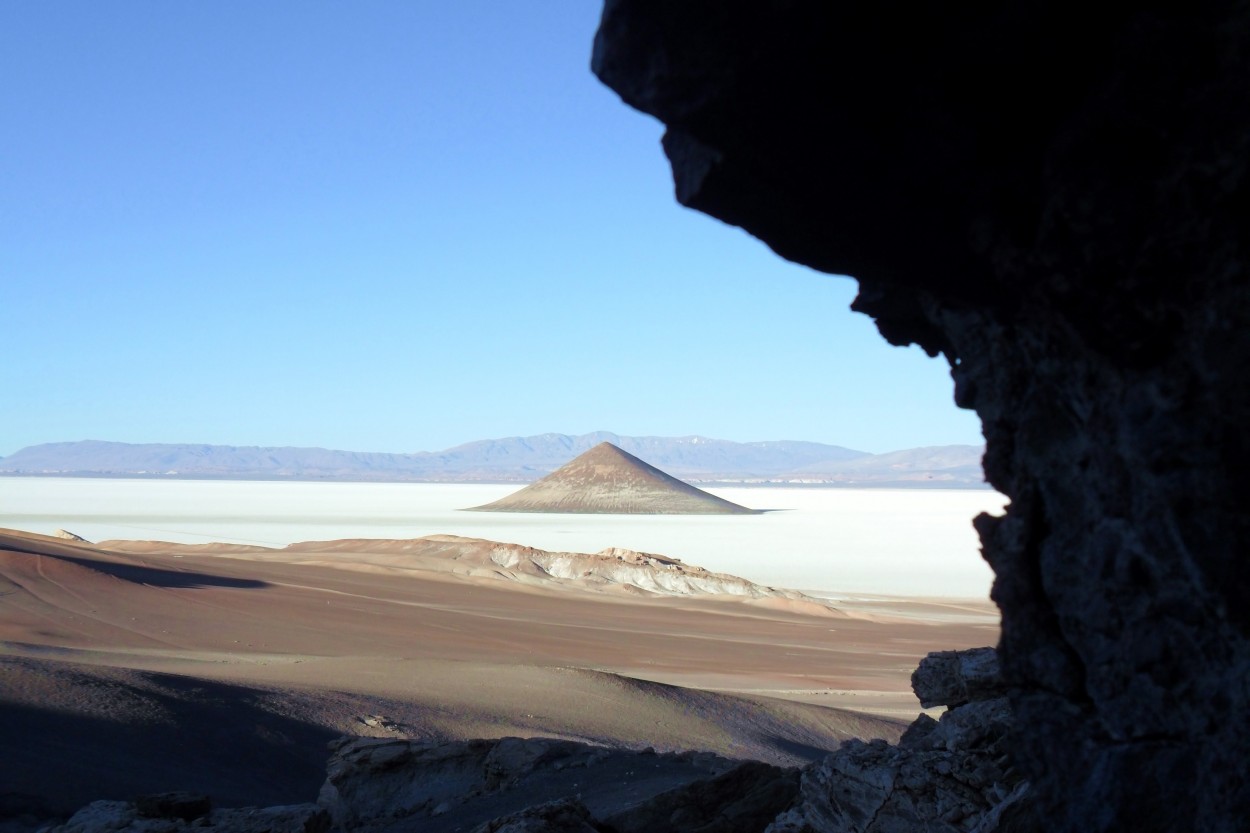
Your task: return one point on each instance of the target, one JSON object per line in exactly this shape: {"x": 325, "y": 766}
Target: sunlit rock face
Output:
{"x": 1056, "y": 200}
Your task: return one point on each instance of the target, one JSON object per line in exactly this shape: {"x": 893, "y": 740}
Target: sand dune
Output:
{"x": 398, "y": 638}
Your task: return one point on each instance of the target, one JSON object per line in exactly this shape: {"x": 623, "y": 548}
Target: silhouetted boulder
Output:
{"x": 952, "y": 678}
{"x": 462, "y": 784}
{"x": 562, "y": 816}
{"x": 743, "y": 800}
{"x": 946, "y": 775}
{"x": 1053, "y": 197}
{"x": 173, "y": 805}
{"x": 138, "y": 817}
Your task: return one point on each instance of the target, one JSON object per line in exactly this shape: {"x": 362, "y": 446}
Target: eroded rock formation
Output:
{"x": 1055, "y": 198}
{"x": 944, "y": 776}
{"x": 491, "y": 786}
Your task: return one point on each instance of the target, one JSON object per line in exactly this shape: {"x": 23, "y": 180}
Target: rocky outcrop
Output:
{"x": 562, "y": 816}
{"x": 617, "y": 567}
{"x": 949, "y": 775}
{"x": 182, "y": 813}
{"x": 371, "y": 784}
{"x": 607, "y": 480}
{"x": 69, "y": 536}
{"x": 512, "y": 785}
{"x": 1054, "y": 198}
{"x": 743, "y": 800}
{"x": 953, "y": 678}
{"x": 613, "y": 569}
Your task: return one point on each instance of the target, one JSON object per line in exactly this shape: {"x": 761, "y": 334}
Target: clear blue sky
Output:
{"x": 389, "y": 226}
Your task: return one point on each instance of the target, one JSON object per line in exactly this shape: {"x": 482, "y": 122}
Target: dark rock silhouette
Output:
{"x": 566, "y": 815}
{"x": 607, "y": 480}
{"x": 1054, "y": 198}
{"x": 141, "y": 816}
{"x": 178, "y": 804}
{"x": 743, "y": 800}
{"x": 952, "y": 678}
{"x": 448, "y": 786}
{"x": 943, "y": 776}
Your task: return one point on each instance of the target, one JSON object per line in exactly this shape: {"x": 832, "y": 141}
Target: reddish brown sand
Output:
{"x": 135, "y": 666}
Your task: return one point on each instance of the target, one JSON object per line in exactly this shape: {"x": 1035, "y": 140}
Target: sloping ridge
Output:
{"x": 77, "y": 595}
{"x": 614, "y": 569}
{"x": 607, "y": 480}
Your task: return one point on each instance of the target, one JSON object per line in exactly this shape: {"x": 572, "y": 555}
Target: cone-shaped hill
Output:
{"x": 608, "y": 481}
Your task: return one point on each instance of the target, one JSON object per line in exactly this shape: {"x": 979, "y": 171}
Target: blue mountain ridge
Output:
{"x": 510, "y": 459}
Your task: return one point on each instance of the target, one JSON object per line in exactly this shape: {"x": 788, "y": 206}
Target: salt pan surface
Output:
{"x": 841, "y": 541}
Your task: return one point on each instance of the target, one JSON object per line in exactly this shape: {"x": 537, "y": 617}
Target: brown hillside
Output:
{"x": 607, "y": 480}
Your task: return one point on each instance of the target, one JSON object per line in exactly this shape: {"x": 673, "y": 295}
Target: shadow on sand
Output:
{"x": 156, "y": 577}
{"x": 149, "y": 733}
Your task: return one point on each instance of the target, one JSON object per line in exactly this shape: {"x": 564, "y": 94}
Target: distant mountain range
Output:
{"x": 512, "y": 460}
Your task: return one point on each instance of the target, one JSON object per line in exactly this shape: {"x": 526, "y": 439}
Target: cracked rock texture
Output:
{"x": 952, "y": 678}
{"x": 135, "y": 817}
{"x": 944, "y": 776}
{"x": 508, "y": 784}
{"x": 1055, "y": 198}
{"x": 536, "y": 784}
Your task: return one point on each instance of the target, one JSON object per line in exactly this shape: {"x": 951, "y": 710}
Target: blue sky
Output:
{"x": 389, "y": 226}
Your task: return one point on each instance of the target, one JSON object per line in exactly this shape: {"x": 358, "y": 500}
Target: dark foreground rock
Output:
{"x": 563, "y": 816}
{"x": 128, "y": 817}
{"x": 952, "y": 678}
{"x": 511, "y": 784}
{"x": 454, "y": 786}
{"x": 950, "y": 775}
{"x": 743, "y": 800}
{"x": 1054, "y": 197}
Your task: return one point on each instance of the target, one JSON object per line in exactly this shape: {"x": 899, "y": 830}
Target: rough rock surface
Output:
{"x": 562, "y": 816}
{"x": 616, "y": 567}
{"x": 512, "y": 785}
{"x": 173, "y": 805}
{"x": 943, "y": 776}
{"x": 139, "y": 816}
{"x": 952, "y": 678}
{"x": 1053, "y": 197}
{"x": 69, "y": 536}
{"x": 371, "y": 784}
{"x": 743, "y": 800}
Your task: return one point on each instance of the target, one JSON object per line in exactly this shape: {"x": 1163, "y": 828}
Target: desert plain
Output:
{"x": 142, "y": 666}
